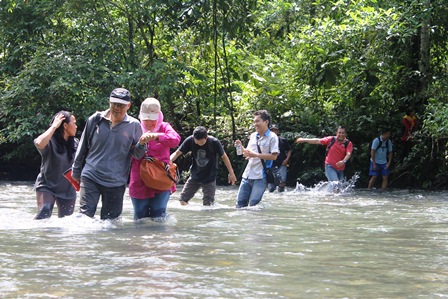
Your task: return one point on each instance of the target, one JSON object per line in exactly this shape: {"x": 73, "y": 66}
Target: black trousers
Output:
{"x": 111, "y": 199}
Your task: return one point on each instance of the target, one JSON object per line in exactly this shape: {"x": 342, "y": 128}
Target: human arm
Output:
{"x": 348, "y": 153}
{"x": 390, "y": 153}
{"x": 308, "y": 140}
{"x": 166, "y": 136}
{"x": 288, "y": 156}
{"x": 372, "y": 154}
{"x": 251, "y": 154}
{"x": 344, "y": 161}
{"x": 42, "y": 140}
{"x": 389, "y": 159}
{"x": 232, "y": 177}
{"x": 175, "y": 155}
{"x": 139, "y": 149}
{"x": 148, "y": 136}
{"x": 81, "y": 154}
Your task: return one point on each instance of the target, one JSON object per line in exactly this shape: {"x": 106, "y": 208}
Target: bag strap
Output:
{"x": 333, "y": 140}
{"x": 167, "y": 166}
{"x": 380, "y": 144}
{"x": 259, "y": 151}
{"x": 95, "y": 123}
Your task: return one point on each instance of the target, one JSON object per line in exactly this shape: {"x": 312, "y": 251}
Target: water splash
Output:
{"x": 343, "y": 187}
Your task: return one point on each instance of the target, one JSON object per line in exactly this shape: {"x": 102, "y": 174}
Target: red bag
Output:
{"x": 68, "y": 175}
{"x": 157, "y": 174}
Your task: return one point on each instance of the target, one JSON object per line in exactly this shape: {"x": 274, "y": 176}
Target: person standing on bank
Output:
{"x": 339, "y": 150}
{"x": 281, "y": 163}
{"x": 409, "y": 124}
{"x": 57, "y": 147}
{"x": 103, "y": 158}
{"x": 204, "y": 168}
{"x": 159, "y": 137}
{"x": 263, "y": 144}
{"x": 380, "y": 159}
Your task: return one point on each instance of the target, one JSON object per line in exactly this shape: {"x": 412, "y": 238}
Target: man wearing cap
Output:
{"x": 281, "y": 163}
{"x": 103, "y": 157}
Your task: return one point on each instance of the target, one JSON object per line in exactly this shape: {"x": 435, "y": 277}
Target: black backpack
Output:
{"x": 380, "y": 143}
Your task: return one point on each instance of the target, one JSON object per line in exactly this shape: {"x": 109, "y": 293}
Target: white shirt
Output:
{"x": 268, "y": 145}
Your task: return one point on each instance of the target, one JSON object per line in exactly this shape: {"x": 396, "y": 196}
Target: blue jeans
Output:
{"x": 332, "y": 174}
{"x": 154, "y": 207}
{"x": 250, "y": 192}
{"x": 282, "y": 170}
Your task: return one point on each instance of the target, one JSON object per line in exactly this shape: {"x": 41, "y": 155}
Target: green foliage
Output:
{"x": 313, "y": 64}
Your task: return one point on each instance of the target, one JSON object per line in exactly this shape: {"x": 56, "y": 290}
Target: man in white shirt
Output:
{"x": 263, "y": 145}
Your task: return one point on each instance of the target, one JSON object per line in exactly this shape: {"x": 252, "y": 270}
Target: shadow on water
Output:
{"x": 307, "y": 242}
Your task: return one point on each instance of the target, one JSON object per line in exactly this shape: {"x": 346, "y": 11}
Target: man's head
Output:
{"x": 200, "y": 135}
{"x": 386, "y": 133}
{"x": 120, "y": 102}
{"x": 262, "y": 119}
{"x": 275, "y": 129}
{"x": 341, "y": 133}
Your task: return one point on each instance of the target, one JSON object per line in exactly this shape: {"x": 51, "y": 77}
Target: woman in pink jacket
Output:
{"x": 159, "y": 137}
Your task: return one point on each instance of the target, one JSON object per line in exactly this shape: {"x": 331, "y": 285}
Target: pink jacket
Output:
{"x": 159, "y": 149}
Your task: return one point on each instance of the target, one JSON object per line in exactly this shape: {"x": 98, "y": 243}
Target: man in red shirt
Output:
{"x": 339, "y": 150}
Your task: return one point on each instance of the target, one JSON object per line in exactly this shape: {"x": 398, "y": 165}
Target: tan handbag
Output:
{"x": 157, "y": 174}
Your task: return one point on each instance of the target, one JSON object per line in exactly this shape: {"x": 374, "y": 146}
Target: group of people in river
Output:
{"x": 113, "y": 144}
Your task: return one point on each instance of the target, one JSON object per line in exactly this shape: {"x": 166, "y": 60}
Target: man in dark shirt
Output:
{"x": 205, "y": 151}
{"x": 281, "y": 163}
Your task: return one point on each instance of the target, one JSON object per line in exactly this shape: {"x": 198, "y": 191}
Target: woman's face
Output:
{"x": 70, "y": 127}
{"x": 150, "y": 124}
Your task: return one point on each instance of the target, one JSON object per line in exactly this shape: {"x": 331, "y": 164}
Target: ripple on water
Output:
{"x": 297, "y": 244}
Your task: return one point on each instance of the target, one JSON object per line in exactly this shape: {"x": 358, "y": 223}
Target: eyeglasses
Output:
{"x": 118, "y": 105}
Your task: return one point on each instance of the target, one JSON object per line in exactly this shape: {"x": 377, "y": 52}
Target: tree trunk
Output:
{"x": 425, "y": 45}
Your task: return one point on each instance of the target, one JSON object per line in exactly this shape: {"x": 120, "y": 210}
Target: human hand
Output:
{"x": 232, "y": 179}
{"x": 147, "y": 137}
{"x": 249, "y": 154}
{"x": 340, "y": 163}
{"x": 58, "y": 120}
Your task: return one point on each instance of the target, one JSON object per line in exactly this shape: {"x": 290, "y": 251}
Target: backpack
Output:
{"x": 380, "y": 143}
{"x": 333, "y": 140}
{"x": 95, "y": 123}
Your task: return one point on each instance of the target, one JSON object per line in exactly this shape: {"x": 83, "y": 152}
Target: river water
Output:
{"x": 299, "y": 244}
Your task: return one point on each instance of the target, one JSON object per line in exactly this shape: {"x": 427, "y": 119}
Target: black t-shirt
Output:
{"x": 205, "y": 158}
{"x": 283, "y": 148}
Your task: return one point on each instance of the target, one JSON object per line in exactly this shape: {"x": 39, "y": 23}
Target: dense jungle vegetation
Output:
{"x": 314, "y": 64}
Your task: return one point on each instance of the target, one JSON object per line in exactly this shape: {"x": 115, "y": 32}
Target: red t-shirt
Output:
{"x": 337, "y": 151}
